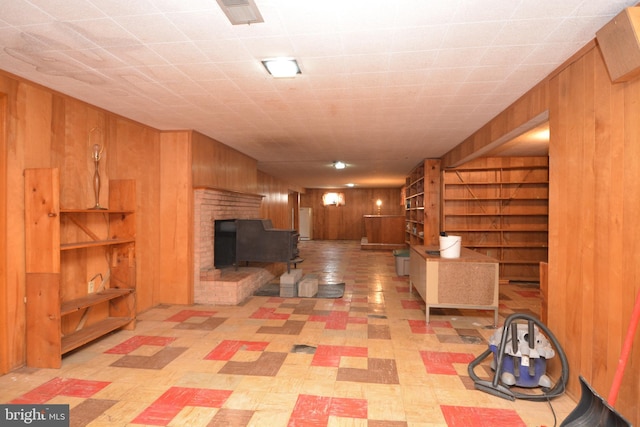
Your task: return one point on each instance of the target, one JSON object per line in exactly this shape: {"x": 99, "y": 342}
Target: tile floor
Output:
{"x": 367, "y": 359}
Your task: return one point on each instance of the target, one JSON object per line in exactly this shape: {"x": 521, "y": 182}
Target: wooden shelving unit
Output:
{"x": 67, "y": 248}
{"x": 422, "y": 203}
{"x": 500, "y": 208}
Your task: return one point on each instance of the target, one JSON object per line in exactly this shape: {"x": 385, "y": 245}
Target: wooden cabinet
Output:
{"x": 500, "y": 208}
{"x": 65, "y": 250}
{"x": 383, "y": 232}
{"x": 470, "y": 281}
{"x": 422, "y": 203}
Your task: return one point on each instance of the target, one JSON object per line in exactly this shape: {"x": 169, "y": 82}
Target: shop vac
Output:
{"x": 520, "y": 350}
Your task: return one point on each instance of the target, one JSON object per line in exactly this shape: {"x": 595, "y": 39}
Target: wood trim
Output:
{"x": 224, "y": 190}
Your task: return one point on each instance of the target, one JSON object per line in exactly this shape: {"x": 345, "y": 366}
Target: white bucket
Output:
{"x": 450, "y": 246}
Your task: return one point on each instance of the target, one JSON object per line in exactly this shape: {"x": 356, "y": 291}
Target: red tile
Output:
{"x": 167, "y": 406}
{"x": 313, "y": 407}
{"x": 226, "y": 349}
{"x": 157, "y": 415}
{"x": 316, "y": 410}
{"x": 61, "y": 387}
{"x": 463, "y": 416}
{"x": 268, "y": 313}
{"x": 176, "y": 396}
{"x": 337, "y": 320}
{"x": 442, "y": 362}
{"x": 412, "y": 305}
{"x": 317, "y": 318}
{"x": 329, "y": 355}
{"x": 349, "y": 408}
{"x": 83, "y": 388}
{"x": 310, "y": 411}
{"x": 210, "y": 398}
{"x": 353, "y": 351}
{"x": 421, "y": 327}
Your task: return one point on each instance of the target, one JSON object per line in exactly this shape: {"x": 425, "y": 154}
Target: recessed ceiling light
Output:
{"x": 281, "y": 67}
{"x": 339, "y": 165}
{"x": 351, "y": 184}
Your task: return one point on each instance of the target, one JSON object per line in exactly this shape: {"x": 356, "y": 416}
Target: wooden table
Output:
{"x": 468, "y": 282}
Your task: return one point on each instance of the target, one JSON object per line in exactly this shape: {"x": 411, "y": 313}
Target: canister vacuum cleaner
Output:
{"x": 520, "y": 350}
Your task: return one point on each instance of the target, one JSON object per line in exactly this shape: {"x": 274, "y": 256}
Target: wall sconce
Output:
{"x": 379, "y": 205}
{"x": 333, "y": 199}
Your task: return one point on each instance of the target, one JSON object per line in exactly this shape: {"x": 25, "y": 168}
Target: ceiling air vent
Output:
{"x": 241, "y": 12}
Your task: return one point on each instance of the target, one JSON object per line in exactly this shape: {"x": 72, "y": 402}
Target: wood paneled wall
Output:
{"x": 594, "y": 251}
{"x": 216, "y": 165}
{"x": 4, "y": 231}
{"x": 594, "y": 199}
{"x": 176, "y": 220}
{"x": 47, "y": 129}
{"x": 345, "y": 222}
{"x": 278, "y": 201}
{"x": 42, "y": 128}
{"x": 533, "y": 104}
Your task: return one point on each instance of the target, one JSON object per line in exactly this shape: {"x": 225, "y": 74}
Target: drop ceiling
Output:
{"x": 383, "y": 83}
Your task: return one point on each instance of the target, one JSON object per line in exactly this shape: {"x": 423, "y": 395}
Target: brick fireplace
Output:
{"x": 222, "y": 286}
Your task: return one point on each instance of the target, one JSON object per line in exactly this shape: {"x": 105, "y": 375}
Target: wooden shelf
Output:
{"x": 475, "y": 199}
{"x": 504, "y": 163}
{"x": 422, "y": 203}
{"x": 494, "y": 230}
{"x": 96, "y": 211}
{"x": 485, "y": 183}
{"x": 93, "y": 244}
{"x": 493, "y": 201}
{"x": 504, "y": 261}
{"x": 508, "y": 245}
{"x": 497, "y": 214}
{"x": 77, "y": 304}
{"x": 54, "y": 326}
{"x": 90, "y": 333}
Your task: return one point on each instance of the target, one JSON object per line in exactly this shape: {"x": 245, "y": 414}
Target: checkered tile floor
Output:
{"x": 367, "y": 359}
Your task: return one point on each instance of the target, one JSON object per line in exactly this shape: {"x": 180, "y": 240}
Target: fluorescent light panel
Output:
{"x": 281, "y": 67}
{"x": 241, "y": 12}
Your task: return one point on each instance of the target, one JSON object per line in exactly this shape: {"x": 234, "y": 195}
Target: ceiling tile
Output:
{"x": 383, "y": 84}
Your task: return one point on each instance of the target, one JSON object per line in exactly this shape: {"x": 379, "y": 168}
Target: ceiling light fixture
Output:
{"x": 281, "y": 67}
{"x": 339, "y": 165}
{"x": 241, "y": 12}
